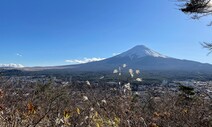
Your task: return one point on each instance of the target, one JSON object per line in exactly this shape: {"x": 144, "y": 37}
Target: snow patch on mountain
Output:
{"x": 141, "y": 51}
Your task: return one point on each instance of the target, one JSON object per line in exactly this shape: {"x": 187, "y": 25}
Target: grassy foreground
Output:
{"x": 90, "y": 105}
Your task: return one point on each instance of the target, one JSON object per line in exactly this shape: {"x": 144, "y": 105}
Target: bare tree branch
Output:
{"x": 198, "y": 9}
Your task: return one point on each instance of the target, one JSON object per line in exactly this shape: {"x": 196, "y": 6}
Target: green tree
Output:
{"x": 186, "y": 90}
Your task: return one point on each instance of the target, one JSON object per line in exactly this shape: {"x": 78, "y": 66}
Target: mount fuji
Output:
{"x": 141, "y": 57}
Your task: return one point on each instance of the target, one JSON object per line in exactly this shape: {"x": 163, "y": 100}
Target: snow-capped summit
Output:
{"x": 141, "y": 51}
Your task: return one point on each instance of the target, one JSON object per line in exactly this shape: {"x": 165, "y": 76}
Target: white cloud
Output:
{"x": 115, "y": 54}
{"x": 85, "y": 60}
{"x": 12, "y": 65}
{"x": 18, "y": 54}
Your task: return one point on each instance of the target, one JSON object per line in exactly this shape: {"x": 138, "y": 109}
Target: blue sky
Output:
{"x": 49, "y": 32}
